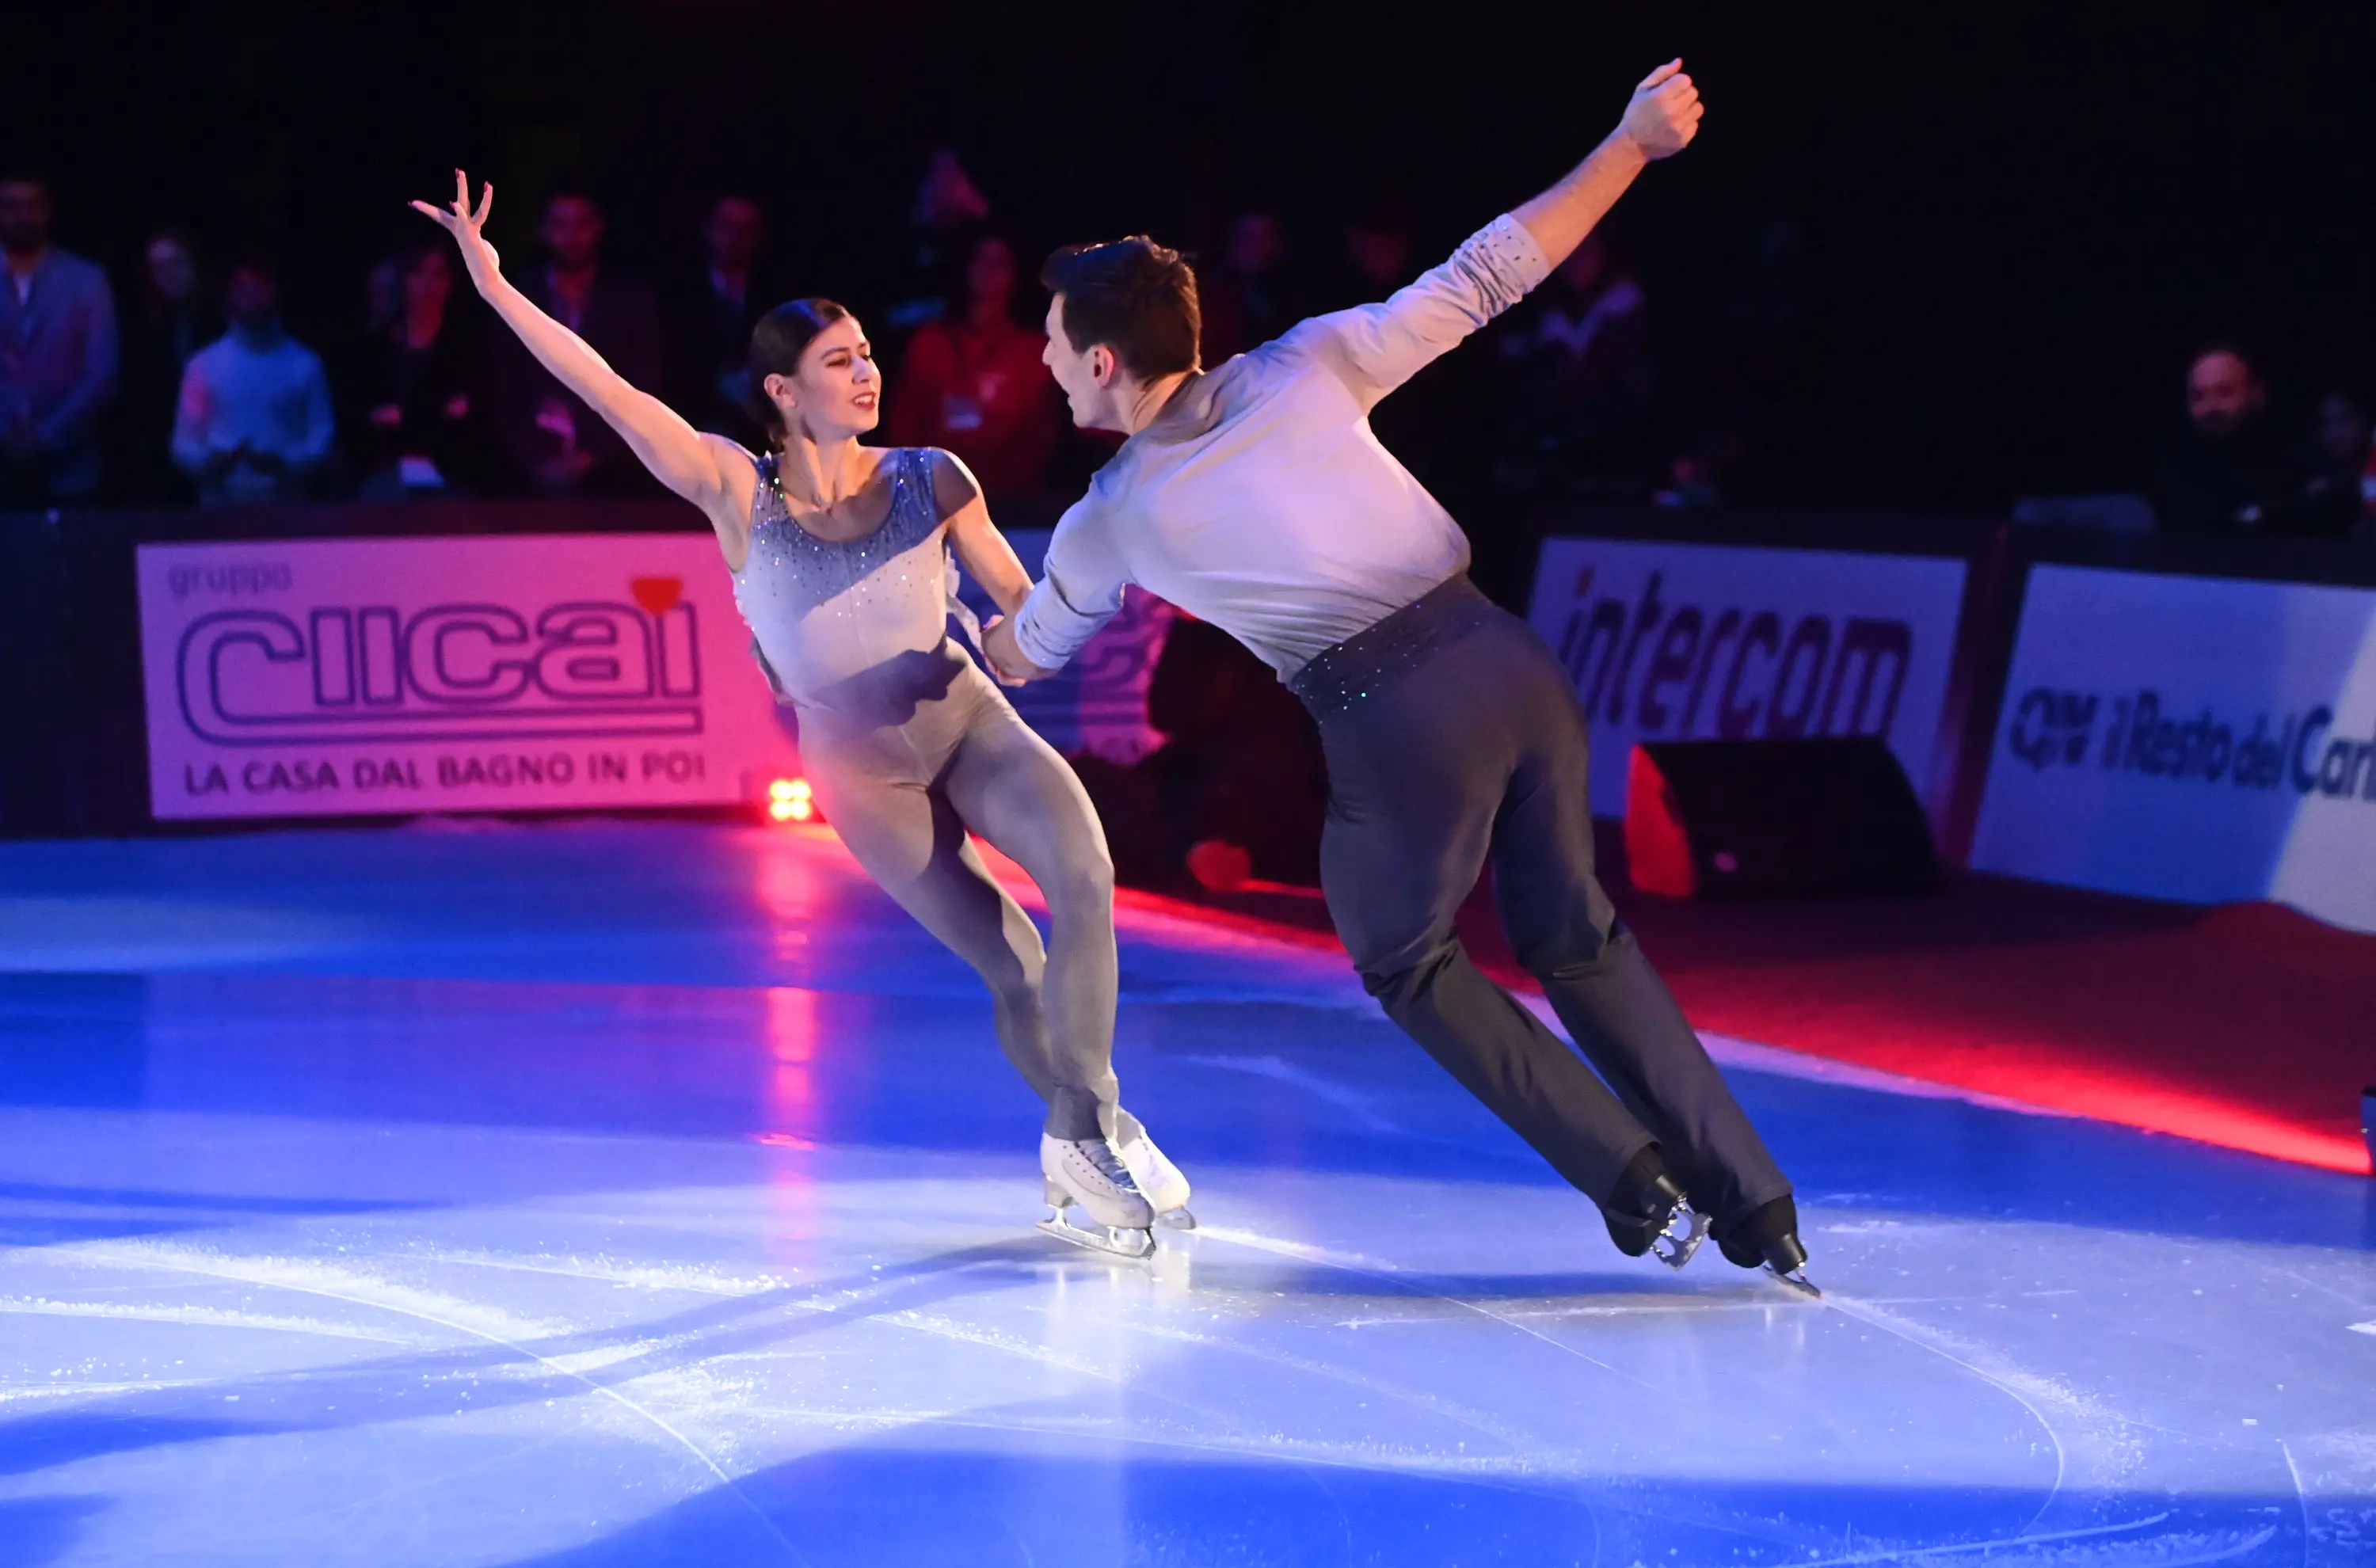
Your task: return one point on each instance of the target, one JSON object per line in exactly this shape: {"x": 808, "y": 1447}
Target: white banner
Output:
{"x": 1676, "y": 642}
{"x": 347, "y": 677}
{"x": 2196, "y": 739}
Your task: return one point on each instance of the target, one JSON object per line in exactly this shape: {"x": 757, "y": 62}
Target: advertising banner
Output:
{"x": 348, "y": 677}
{"x": 2197, "y": 739}
{"x": 1679, "y": 642}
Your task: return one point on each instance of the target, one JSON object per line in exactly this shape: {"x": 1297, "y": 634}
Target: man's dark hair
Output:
{"x": 1135, "y": 297}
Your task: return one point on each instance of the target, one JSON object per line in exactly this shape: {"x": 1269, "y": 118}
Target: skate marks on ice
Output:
{"x": 1334, "y": 1369}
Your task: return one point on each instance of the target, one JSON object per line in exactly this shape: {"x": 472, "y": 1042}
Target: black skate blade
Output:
{"x": 1686, "y": 1228}
{"x": 1176, "y": 1220}
{"x": 1797, "y": 1280}
{"x": 1112, "y": 1241}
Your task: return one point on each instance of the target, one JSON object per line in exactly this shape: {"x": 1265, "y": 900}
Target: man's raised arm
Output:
{"x": 1659, "y": 123}
{"x": 1376, "y": 349}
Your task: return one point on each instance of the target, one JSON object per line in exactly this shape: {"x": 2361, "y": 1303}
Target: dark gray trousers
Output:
{"x": 1453, "y": 736}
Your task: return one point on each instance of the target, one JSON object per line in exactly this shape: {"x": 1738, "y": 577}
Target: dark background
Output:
{"x": 2020, "y": 216}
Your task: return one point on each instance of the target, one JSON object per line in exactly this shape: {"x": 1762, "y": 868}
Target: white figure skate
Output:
{"x": 1165, "y": 1188}
{"x": 1086, "y": 1172}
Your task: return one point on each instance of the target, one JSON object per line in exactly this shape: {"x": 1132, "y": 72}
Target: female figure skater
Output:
{"x": 839, "y": 554}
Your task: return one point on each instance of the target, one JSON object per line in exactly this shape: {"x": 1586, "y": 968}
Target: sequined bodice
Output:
{"x": 826, "y": 613}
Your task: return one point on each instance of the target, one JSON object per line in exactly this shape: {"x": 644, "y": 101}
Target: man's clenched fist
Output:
{"x": 1665, "y": 114}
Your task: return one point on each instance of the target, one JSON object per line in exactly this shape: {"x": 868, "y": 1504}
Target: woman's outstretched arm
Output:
{"x": 708, "y": 471}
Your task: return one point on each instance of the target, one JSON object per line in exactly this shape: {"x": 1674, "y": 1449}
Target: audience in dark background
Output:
{"x": 58, "y": 356}
{"x": 1251, "y": 296}
{"x": 2237, "y": 470}
{"x": 972, "y": 381}
{"x": 253, "y": 421}
{"x": 415, "y": 399}
{"x": 176, "y": 314}
{"x": 711, "y": 317}
{"x": 552, "y": 440}
{"x": 1584, "y": 362}
{"x": 2347, "y": 433}
{"x": 1581, "y": 394}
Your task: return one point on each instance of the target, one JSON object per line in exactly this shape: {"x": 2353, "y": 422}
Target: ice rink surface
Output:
{"x": 638, "y": 1194}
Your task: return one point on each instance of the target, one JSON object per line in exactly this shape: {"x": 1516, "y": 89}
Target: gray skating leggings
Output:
{"x": 1453, "y": 736}
{"x": 906, "y": 758}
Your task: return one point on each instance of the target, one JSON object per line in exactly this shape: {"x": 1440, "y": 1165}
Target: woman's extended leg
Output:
{"x": 1013, "y": 788}
{"x": 911, "y": 840}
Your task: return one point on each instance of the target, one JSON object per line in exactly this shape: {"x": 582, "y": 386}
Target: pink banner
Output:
{"x": 355, "y": 677}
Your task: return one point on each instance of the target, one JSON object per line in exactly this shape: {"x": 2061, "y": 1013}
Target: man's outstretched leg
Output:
{"x": 1622, "y": 1016}
{"x": 1418, "y": 766}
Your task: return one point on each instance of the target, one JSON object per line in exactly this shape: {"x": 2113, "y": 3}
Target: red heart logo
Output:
{"x": 656, "y": 595}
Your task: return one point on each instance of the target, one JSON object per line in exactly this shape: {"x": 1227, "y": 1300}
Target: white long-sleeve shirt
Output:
{"x": 1259, "y": 500}
{"x": 270, "y": 397}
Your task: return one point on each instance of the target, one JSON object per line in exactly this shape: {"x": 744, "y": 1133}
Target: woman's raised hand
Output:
{"x": 464, "y": 224}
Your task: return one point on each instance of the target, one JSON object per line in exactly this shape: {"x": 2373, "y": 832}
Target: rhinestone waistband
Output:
{"x": 1364, "y": 663}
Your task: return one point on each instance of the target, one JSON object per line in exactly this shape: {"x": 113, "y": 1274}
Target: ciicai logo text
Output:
{"x": 469, "y": 671}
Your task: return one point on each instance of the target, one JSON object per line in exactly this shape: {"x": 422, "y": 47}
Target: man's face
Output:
{"x": 732, "y": 234}
{"x": 573, "y": 233}
{"x": 24, "y": 215}
{"x": 1077, "y": 370}
{"x": 2221, "y": 394}
{"x": 252, "y": 298}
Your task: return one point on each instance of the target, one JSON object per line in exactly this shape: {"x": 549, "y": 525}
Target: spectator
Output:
{"x": 57, "y": 356}
{"x": 948, "y": 208}
{"x": 711, "y": 336}
{"x": 556, "y": 445}
{"x": 2235, "y": 471}
{"x": 415, "y": 405}
{"x": 1579, "y": 418}
{"x": 973, "y": 382}
{"x": 1433, "y": 422}
{"x": 254, "y": 423}
{"x": 177, "y": 316}
{"x": 1249, "y": 298}
{"x": 2347, "y": 430}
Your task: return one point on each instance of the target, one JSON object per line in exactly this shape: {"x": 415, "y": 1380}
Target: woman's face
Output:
{"x": 990, "y": 274}
{"x": 838, "y": 390}
{"x": 429, "y": 283}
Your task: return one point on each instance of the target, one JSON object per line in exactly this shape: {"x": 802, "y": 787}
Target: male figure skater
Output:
{"x": 1254, "y": 496}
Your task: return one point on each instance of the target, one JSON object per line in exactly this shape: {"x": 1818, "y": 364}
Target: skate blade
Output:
{"x": 1112, "y": 1240}
{"x": 1176, "y": 1220}
{"x": 1686, "y": 1229}
{"x": 1797, "y": 1280}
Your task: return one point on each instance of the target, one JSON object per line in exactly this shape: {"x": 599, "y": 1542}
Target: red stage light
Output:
{"x": 790, "y": 800}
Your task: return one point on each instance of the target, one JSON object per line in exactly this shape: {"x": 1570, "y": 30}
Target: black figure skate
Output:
{"x": 1767, "y": 1238}
{"x": 1651, "y": 1214}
